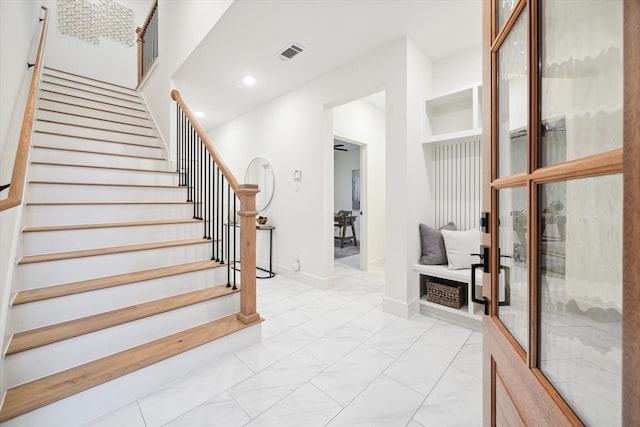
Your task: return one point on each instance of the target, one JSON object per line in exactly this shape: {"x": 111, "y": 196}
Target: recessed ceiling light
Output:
{"x": 199, "y": 114}
{"x": 249, "y": 80}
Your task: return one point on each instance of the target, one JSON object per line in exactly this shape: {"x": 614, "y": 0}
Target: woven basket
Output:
{"x": 453, "y": 295}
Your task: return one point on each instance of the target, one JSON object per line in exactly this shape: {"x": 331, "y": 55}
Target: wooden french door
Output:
{"x": 561, "y": 150}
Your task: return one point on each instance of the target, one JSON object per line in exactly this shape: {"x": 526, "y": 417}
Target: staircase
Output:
{"x": 117, "y": 292}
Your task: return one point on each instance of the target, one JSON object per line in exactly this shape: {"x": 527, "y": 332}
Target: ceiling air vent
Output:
{"x": 290, "y": 51}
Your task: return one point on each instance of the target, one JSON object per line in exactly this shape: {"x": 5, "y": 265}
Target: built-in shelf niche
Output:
{"x": 454, "y": 115}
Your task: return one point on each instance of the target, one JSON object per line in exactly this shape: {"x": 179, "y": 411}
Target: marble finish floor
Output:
{"x": 328, "y": 358}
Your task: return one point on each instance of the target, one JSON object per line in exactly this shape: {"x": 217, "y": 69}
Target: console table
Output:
{"x": 270, "y": 229}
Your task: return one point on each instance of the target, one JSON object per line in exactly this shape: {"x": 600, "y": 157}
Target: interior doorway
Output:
{"x": 347, "y": 202}
{"x": 359, "y": 166}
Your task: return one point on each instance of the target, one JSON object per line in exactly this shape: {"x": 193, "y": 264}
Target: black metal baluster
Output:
{"x": 201, "y": 179}
{"x": 178, "y": 141}
{"x": 192, "y": 153}
{"x": 187, "y": 141}
{"x": 181, "y": 150}
{"x": 207, "y": 196}
{"x": 221, "y": 221}
{"x": 234, "y": 240}
{"x": 214, "y": 217}
{"x": 229, "y": 229}
{"x": 211, "y": 195}
{"x": 196, "y": 174}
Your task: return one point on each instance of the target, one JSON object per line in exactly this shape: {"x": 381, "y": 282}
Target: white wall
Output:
{"x": 360, "y": 121}
{"x": 460, "y": 69}
{"x": 412, "y": 184}
{"x": 109, "y": 60}
{"x": 19, "y": 37}
{"x": 182, "y": 25}
{"x": 295, "y": 131}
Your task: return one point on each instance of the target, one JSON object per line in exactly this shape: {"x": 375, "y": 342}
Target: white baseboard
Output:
{"x": 376, "y": 263}
{"x": 323, "y": 283}
{"x": 400, "y": 308}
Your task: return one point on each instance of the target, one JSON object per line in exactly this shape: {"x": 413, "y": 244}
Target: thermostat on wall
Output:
{"x": 297, "y": 175}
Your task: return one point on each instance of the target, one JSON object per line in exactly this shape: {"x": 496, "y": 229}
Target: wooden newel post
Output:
{"x": 139, "y": 40}
{"x": 247, "y": 213}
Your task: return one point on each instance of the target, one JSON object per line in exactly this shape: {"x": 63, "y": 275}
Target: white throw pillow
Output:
{"x": 459, "y": 246}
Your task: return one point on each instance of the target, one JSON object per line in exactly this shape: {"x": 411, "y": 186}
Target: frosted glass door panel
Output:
{"x": 513, "y": 278}
{"x": 513, "y": 100}
{"x": 504, "y": 10}
{"x": 580, "y": 245}
{"x": 581, "y": 79}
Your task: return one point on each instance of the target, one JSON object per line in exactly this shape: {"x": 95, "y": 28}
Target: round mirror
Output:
{"x": 260, "y": 172}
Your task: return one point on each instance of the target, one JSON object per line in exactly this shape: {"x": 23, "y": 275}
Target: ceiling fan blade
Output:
{"x": 340, "y": 149}
{"x": 338, "y": 145}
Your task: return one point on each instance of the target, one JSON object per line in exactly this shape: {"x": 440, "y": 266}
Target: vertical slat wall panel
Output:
{"x": 457, "y": 183}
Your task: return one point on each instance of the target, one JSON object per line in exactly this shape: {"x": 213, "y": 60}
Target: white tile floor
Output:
{"x": 328, "y": 358}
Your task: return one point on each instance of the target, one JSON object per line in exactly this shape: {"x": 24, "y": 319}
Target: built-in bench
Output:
{"x": 470, "y": 314}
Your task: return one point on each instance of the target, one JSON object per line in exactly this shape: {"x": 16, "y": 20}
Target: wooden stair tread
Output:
{"x": 103, "y": 184}
{"x": 27, "y": 397}
{"x": 57, "y": 122}
{"x": 66, "y": 113}
{"x": 110, "y": 225}
{"x": 136, "y": 101}
{"x": 104, "y": 167}
{"x": 92, "y": 100}
{"x": 102, "y": 153}
{"x": 88, "y": 78}
{"x": 115, "y": 202}
{"x": 40, "y": 294}
{"x": 88, "y": 138}
{"x": 109, "y": 251}
{"x": 52, "y": 76}
{"x": 41, "y": 98}
{"x": 39, "y": 337}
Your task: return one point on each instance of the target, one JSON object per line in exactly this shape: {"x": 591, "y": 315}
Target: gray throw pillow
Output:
{"x": 433, "y": 250}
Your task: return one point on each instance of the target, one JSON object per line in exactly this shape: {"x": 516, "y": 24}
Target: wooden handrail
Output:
{"x": 154, "y": 6}
{"x": 16, "y": 190}
{"x": 175, "y": 95}
{"x": 140, "y": 40}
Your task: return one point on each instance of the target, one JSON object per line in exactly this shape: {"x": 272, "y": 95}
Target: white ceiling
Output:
{"x": 333, "y": 32}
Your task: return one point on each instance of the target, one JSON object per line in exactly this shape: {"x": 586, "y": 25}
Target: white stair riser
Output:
{"x": 120, "y": 101}
{"x": 93, "y": 193}
{"x": 99, "y": 113}
{"x": 45, "y": 215}
{"x": 56, "y": 310}
{"x": 42, "y": 274}
{"x": 94, "y": 122}
{"x": 80, "y": 79}
{"x": 59, "y": 141}
{"x": 56, "y": 95}
{"x": 92, "y": 86}
{"x": 83, "y": 407}
{"x": 39, "y": 172}
{"x": 46, "y": 242}
{"x": 106, "y": 135}
{"x": 42, "y": 361}
{"x": 91, "y": 159}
